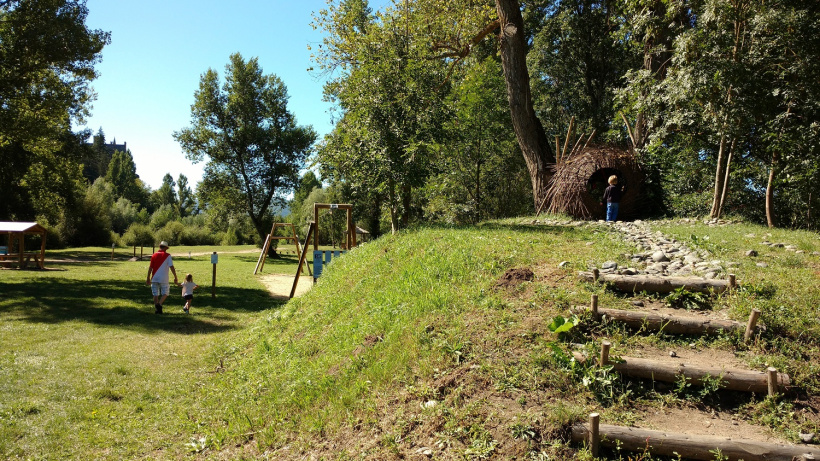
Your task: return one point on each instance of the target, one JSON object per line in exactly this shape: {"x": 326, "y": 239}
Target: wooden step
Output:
{"x": 688, "y": 446}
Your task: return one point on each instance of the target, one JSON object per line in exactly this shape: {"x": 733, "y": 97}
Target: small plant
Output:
{"x": 456, "y": 349}
{"x": 197, "y": 445}
{"x": 523, "y": 432}
{"x": 480, "y": 449}
{"x": 561, "y": 325}
{"x": 687, "y": 299}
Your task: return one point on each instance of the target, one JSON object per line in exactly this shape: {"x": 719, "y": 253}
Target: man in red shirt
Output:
{"x": 161, "y": 262}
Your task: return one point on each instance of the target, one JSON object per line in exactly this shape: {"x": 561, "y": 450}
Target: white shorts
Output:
{"x": 160, "y": 289}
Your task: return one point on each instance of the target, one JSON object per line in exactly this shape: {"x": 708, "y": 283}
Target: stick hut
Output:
{"x": 579, "y": 181}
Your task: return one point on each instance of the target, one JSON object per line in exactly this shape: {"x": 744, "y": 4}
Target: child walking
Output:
{"x": 188, "y": 287}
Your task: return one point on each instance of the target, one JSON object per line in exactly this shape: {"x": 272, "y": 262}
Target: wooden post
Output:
{"x": 557, "y": 149}
{"x": 595, "y": 275}
{"x": 112, "y": 251}
{"x": 750, "y": 327}
{"x": 594, "y": 435}
{"x": 771, "y": 374}
{"x": 316, "y": 220}
{"x": 213, "y": 281}
{"x": 595, "y": 305}
{"x": 605, "y": 352}
{"x": 569, "y": 135}
{"x": 732, "y": 281}
{"x": 302, "y": 259}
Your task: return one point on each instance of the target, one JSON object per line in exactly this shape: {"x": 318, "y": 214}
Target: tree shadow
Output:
{"x": 534, "y": 228}
{"x": 126, "y": 304}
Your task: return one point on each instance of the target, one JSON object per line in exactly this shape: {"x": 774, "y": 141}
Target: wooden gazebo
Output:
{"x": 14, "y": 250}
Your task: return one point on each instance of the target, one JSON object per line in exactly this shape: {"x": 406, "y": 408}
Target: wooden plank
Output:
{"x": 691, "y": 446}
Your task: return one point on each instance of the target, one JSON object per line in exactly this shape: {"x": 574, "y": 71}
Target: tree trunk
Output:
{"x": 375, "y": 220}
{"x": 528, "y": 129}
{"x": 394, "y": 219}
{"x": 726, "y": 178}
{"x": 713, "y": 213}
{"x": 669, "y": 371}
{"x": 406, "y": 196}
{"x": 671, "y": 324}
{"x": 478, "y": 184}
{"x": 770, "y": 189}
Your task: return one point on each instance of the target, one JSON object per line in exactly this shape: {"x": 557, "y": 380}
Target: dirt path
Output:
{"x": 279, "y": 285}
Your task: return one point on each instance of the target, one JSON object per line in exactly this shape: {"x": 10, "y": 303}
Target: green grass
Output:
{"x": 405, "y": 342}
{"x": 88, "y": 370}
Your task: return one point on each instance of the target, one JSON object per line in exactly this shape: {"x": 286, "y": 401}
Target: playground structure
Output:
{"x": 260, "y": 264}
{"x": 14, "y": 251}
{"x": 324, "y": 256}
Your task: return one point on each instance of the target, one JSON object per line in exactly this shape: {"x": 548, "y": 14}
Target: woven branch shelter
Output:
{"x": 578, "y": 183}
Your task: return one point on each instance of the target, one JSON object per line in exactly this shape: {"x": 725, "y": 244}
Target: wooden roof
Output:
{"x": 25, "y": 227}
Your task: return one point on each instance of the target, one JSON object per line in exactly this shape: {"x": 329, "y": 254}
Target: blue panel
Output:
{"x": 328, "y": 256}
{"x": 317, "y": 263}
{"x": 336, "y": 254}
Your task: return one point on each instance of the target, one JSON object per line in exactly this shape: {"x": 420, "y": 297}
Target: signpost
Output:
{"x": 214, "y": 260}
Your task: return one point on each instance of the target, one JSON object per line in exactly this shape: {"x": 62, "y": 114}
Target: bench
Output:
{"x": 6, "y": 259}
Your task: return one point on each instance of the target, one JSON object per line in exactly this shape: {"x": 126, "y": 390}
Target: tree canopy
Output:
{"x": 252, "y": 144}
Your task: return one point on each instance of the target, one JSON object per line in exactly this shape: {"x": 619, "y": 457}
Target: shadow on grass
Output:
{"x": 533, "y": 229}
{"x": 126, "y": 304}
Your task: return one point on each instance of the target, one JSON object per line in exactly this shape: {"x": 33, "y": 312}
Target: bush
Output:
{"x": 138, "y": 234}
{"x": 171, "y": 232}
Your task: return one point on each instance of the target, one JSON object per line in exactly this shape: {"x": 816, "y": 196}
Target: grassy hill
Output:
{"x": 414, "y": 346}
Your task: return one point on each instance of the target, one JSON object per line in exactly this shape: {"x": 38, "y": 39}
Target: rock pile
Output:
{"x": 661, "y": 255}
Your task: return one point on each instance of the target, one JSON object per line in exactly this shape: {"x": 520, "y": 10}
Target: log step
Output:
{"x": 656, "y": 284}
{"x": 736, "y": 380}
{"x": 689, "y": 446}
{"x": 672, "y": 324}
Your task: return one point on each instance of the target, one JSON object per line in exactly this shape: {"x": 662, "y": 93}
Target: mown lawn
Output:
{"x": 87, "y": 370}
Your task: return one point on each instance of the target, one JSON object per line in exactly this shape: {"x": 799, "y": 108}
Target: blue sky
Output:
{"x": 158, "y": 51}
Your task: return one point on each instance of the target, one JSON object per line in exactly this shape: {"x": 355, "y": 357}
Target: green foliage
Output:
{"x": 683, "y": 298}
{"x": 478, "y": 172}
{"x": 122, "y": 175}
{"x": 384, "y": 139}
{"x": 137, "y": 235}
{"x": 576, "y": 65}
{"x": 561, "y": 325}
{"x": 48, "y": 56}
{"x": 251, "y": 141}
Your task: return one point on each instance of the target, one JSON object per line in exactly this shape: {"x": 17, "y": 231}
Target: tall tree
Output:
{"x": 391, "y": 100}
{"x": 166, "y": 194}
{"x": 122, "y": 175}
{"x": 185, "y": 196}
{"x": 577, "y": 63}
{"x": 248, "y": 135}
{"x": 47, "y": 58}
